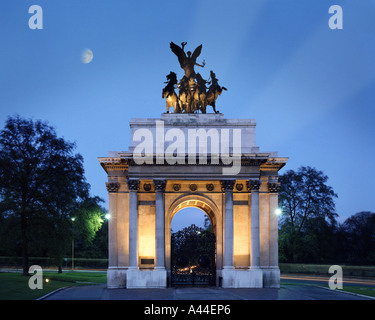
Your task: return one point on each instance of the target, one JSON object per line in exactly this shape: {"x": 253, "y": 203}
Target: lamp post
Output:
{"x": 73, "y": 219}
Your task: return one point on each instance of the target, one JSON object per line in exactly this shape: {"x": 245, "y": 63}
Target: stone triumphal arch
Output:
{"x": 199, "y": 160}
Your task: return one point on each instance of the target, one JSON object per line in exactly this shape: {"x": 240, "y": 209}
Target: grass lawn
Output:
{"x": 366, "y": 291}
{"x": 14, "y": 286}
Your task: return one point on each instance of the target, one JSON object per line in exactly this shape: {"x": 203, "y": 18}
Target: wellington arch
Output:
{"x": 193, "y": 158}
{"x": 154, "y": 179}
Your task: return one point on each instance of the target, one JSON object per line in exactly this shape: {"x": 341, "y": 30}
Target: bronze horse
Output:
{"x": 169, "y": 94}
{"x": 213, "y": 91}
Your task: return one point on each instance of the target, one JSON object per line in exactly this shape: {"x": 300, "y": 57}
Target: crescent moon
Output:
{"x": 87, "y": 56}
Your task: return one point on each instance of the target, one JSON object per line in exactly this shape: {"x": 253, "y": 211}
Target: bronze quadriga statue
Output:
{"x": 193, "y": 94}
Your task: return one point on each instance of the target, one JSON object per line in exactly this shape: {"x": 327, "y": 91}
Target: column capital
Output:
{"x": 112, "y": 187}
{"x": 227, "y": 185}
{"x": 133, "y": 184}
{"x": 253, "y": 184}
{"x": 159, "y": 184}
{"x": 274, "y": 187}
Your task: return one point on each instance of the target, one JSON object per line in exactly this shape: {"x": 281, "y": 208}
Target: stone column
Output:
{"x": 159, "y": 223}
{"x": 112, "y": 188}
{"x": 254, "y": 186}
{"x": 273, "y": 188}
{"x": 227, "y": 186}
{"x": 133, "y": 185}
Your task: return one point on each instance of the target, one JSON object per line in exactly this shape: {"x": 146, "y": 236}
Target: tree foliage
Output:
{"x": 309, "y": 231}
{"x": 42, "y": 185}
{"x": 358, "y": 238}
{"x": 308, "y": 207}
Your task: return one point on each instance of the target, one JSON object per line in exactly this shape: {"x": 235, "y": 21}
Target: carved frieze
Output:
{"x": 239, "y": 186}
{"x": 210, "y": 187}
{"x": 147, "y": 186}
{"x": 193, "y": 187}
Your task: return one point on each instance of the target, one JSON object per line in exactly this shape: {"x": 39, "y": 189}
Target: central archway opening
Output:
{"x": 187, "y": 216}
{"x": 193, "y": 247}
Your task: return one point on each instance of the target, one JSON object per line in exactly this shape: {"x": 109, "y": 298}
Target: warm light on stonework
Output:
{"x": 147, "y": 246}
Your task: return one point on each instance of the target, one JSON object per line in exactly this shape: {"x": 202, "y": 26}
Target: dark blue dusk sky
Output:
{"x": 310, "y": 89}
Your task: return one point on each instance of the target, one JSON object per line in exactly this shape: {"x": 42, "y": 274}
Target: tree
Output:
{"x": 308, "y": 207}
{"x": 41, "y": 183}
{"x": 359, "y": 238}
{"x": 207, "y": 223}
{"x": 78, "y": 219}
{"x": 89, "y": 220}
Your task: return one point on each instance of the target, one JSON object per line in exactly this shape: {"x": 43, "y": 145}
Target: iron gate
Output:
{"x": 193, "y": 257}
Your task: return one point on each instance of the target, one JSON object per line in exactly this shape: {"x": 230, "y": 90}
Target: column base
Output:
{"x": 154, "y": 278}
{"x": 116, "y": 277}
{"x": 235, "y": 278}
{"x": 271, "y": 277}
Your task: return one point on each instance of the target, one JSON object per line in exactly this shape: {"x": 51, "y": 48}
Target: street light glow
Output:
{"x": 107, "y": 216}
{"x": 278, "y": 211}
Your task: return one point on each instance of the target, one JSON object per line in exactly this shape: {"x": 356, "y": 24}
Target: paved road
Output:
{"x": 286, "y": 292}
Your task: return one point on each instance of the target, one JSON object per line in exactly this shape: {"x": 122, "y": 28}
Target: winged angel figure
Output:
{"x": 187, "y": 62}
